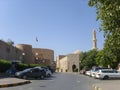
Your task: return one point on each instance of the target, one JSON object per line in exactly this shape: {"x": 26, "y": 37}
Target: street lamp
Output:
{"x": 36, "y": 54}
{"x": 36, "y": 58}
{"x": 23, "y": 54}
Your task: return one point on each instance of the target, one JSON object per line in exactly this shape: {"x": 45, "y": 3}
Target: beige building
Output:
{"x": 58, "y": 61}
{"x": 68, "y": 63}
{"x": 26, "y": 54}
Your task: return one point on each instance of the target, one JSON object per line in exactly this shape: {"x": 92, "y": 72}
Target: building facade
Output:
{"x": 26, "y": 54}
{"x": 9, "y": 52}
{"x": 43, "y": 56}
{"x": 68, "y": 63}
{"x": 58, "y": 62}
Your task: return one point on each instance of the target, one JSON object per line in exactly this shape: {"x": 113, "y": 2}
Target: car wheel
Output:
{"x": 106, "y": 77}
{"x": 42, "y": 77}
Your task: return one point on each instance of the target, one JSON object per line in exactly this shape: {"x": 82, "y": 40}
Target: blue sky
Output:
{"x": 61, "y": 25}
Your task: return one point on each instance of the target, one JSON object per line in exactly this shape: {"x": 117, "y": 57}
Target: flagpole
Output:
{"x": 36, "y": 42}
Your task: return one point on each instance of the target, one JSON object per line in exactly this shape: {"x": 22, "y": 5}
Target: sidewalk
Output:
{"x": 6, "y": 81}
{"x": 112, "y": 85}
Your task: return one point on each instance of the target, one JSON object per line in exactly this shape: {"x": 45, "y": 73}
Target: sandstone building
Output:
{"x": 26, "y": 54}
{"x": 68, "y": 63}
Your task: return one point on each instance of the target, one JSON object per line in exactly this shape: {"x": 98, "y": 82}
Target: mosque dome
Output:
{"x": 77, "y": 52}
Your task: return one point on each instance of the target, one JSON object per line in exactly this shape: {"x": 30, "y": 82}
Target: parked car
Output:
{"x": 82, "y": 71}
{"x": 94, "y": 70}
{"x": 88, "y": 72}
{"x": 47, "y": 71}
{"x": 107, "y": 74}
{"x": 31, "y": 72}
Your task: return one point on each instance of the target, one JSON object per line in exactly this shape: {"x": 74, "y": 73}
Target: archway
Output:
{"x": 74, "y": 67}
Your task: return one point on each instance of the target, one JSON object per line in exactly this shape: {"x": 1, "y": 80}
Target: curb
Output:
{"x": 14, "y": 84}
{"x": 96, "y": 87}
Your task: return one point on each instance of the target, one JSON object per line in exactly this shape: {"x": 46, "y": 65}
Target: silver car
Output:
{"x": 107, "y": 74}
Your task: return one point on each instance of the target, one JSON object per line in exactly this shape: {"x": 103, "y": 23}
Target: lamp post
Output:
{"x": 23, "y": 54}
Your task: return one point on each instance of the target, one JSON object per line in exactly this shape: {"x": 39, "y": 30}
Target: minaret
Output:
{"x": 94, "y": 40}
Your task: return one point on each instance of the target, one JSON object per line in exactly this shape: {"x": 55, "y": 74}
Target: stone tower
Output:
{"x": 94, "y": 40}
{"x": 27, "y": 55}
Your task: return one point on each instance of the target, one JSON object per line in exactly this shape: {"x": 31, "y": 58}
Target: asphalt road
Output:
{"x": 59, "y": 81}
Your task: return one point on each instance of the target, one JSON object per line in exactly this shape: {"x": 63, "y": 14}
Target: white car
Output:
{"x": 95, "y": 70}
{"x": 107, "y": 74}
{"x": 88, "y": 72}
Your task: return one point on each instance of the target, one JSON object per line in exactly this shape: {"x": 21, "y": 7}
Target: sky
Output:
{"x": 61, "y": 25}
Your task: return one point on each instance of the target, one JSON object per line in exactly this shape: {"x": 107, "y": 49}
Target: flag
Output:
{"x": 36, "y": 39}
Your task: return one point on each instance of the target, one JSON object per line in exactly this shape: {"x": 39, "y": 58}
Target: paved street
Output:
{"x": 60, "y": 81}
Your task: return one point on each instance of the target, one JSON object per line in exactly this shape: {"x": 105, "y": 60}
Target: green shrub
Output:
{"x": 22, "y": 66}
{"x": 34, "y": 65}
{"x": 4, "y": 65}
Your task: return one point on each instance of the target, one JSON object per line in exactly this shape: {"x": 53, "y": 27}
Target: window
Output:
{"x": 35, "y": 70}
{"x": 115, "y": 71}
{"x": 105, "y": 71}
{"x": 111, "y": 71}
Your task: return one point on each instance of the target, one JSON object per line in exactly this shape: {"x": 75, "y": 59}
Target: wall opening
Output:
{"x": 73, "y": 67}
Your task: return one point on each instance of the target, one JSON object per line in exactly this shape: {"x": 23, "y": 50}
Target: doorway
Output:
{"x": 73, "y": 67}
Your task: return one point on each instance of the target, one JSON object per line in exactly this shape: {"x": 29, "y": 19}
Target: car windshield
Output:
{"x": 98, "y": 68}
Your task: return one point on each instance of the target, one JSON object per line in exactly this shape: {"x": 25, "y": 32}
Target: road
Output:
{"x": 59, "y": 81}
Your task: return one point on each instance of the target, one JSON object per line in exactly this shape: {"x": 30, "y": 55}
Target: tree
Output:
{"x": 82, "y": 56}
{"x": 108, "y": 12}
{"x": 89, "y": 59}
{"x": 102, "y": 59}
{"x": 81, "y": 59}
{"x": 10, "y": 42}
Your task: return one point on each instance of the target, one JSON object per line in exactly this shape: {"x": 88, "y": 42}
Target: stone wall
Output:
{"x": 73, "y": 60}
{"x": 58, "y": 61}
{"x": 8, "y": 52}
{"x": 67, "y": 63}
{"x": 25, "y": 53}
{"x": 44, "y": 56}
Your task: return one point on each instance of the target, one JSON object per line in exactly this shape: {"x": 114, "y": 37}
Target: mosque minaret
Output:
{"x": 94, "y": 40}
